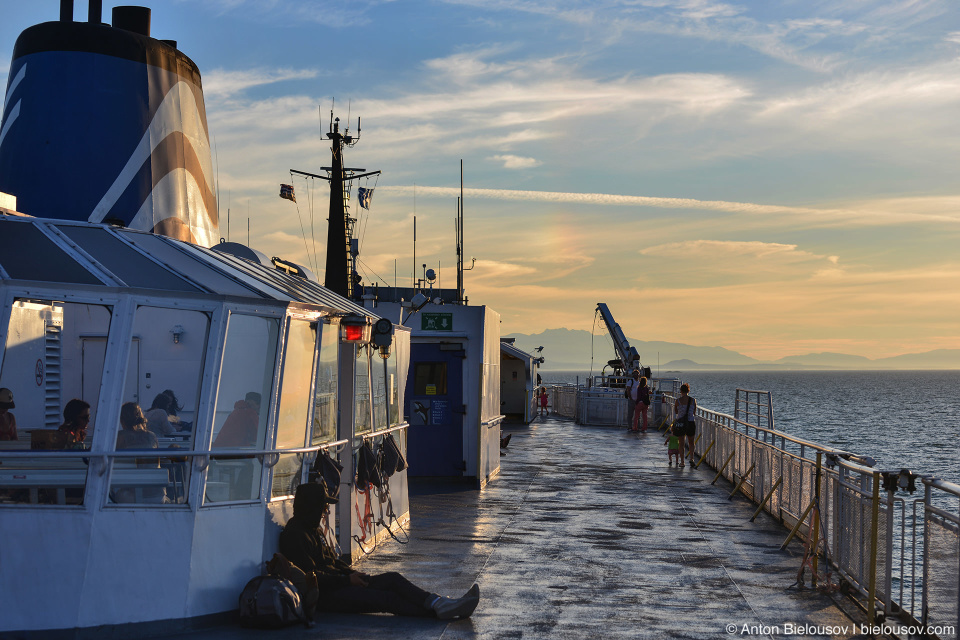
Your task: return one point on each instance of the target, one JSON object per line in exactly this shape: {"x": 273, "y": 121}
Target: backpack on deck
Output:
{"x": 269, "y": 602}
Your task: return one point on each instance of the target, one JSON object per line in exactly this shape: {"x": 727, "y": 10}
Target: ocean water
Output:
{"x": 903, "y": 419}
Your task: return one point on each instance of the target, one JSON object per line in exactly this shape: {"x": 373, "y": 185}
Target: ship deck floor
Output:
{"x": 587, "y": 533}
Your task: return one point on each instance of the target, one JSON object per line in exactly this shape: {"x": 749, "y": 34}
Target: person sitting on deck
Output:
{"x": 344, "y": 590}
{"x": 241, "y": 426}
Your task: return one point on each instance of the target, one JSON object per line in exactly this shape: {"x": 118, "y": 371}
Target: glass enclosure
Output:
{"x": 54, "y": 360}
{"x": 361, "y": 414}
{"x": 243, "y": 403}
{"x": 393, "y": 386}
{"x": 164, "y": 368}
{"x": 380, "y": 377}
{"x": 325, "y": 391}
{"x": 292, "y": 414}
{"x": 53, "y": 364}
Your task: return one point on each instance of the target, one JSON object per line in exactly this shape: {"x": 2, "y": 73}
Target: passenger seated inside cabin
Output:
{"x": 343, "y": 590}
{"x": 76, "y": 420}
{"x": 174, "y": 408}
{"x": 162, "y": 417}
{"x": 133, "y": 432}
{"x": 8, "y": 422}
{"x": 240, "y": 428}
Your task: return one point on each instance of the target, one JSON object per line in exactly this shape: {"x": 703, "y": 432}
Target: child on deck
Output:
{"x": 673, "y": 449}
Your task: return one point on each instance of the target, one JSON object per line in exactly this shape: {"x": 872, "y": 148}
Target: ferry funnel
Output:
{"x": 106, "y": 124}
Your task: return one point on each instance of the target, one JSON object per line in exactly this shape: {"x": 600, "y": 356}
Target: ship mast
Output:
{"x": 340, "y": 273}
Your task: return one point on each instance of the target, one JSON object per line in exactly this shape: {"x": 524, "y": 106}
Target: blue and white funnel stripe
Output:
{"x": 108, "y": 125}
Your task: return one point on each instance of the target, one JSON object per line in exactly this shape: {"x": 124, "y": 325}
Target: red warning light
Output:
{"x": 352, "y": 333}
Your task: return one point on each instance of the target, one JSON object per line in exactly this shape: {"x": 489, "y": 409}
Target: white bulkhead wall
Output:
{"x": 477, "y": 328}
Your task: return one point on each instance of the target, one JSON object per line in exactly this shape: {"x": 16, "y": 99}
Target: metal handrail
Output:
{"x": 166, "y": 453}
{"x": 492, "y": 422}
{"x": 705, "y": 413}
{"x": 382, "y": 432}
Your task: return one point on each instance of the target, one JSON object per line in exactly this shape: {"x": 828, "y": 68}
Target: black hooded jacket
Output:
{"x": 305, "y": 546}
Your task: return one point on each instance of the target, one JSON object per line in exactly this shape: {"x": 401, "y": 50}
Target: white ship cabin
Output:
{"x": 452, "y": 399}
{"x": 107, "y": 518}
{"x": 519, "y": 384}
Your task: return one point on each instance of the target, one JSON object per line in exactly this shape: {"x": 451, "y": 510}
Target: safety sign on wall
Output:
{"x": 436, "y": 322}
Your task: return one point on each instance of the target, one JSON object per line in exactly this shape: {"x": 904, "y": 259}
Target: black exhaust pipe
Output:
{"x": 135, "y": 19}
{"x": 94, "y": 11}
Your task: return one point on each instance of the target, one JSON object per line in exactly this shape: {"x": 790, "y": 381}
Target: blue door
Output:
{"x": 434, "y": 408}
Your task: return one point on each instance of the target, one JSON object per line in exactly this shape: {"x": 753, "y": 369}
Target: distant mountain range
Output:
{"x": 570, "y": 349}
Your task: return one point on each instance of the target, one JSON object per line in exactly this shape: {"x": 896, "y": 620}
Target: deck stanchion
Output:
{"x": 742, "y": 480}
{"x": 815, "y": 540}
{"x": 712, "y": 442}
{"x": 764, "y": 501}
{"x": 796, "y": 527}
{"x": 720, "y": 473}
{"x": 874, "y": 536}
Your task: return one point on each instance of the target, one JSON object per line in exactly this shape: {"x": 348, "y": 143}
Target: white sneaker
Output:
{"x": 450, "y": 608}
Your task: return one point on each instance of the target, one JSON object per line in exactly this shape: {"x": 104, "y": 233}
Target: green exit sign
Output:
{"x": 436, "y": 322}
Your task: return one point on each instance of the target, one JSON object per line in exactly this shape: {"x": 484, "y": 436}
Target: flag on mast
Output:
{"x": 363, "y": 197}
{"x": 286, "y": 191}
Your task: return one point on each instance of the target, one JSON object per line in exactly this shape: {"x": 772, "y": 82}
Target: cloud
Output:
{"x": 543, "y": 90}
{"x": 862, "y": 95}
{"x": 723, "y": 250}
{"x": 324, "y": 12}
{"x": 221, "y": 83}
{"x": 516, "y": 162}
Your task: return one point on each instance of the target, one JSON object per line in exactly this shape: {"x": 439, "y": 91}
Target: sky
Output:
{"x": 776, "y": 177}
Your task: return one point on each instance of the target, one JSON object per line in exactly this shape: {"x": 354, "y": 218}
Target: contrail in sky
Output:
{"x": 607, "y": 199}
{"x": 865, "y": 215}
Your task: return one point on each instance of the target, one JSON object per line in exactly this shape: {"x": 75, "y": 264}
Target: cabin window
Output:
{"x": 162, "y": 389}
{"x": 325, "y": 392}
{"x": 380, "y": 380}
{"x": 361, "y": 415}
{"x": 386, "y": 390}
{"x": 243, "y": 403}
{"x": 393, "y": 386}
{"x": 292, "y": 413}
{"x": 53, "y": 363}
{"x": 430, "y": 379}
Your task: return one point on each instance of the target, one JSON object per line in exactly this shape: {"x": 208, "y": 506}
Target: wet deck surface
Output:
{"x": 587, "y": 533}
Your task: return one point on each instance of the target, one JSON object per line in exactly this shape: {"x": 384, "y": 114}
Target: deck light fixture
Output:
{"x": 354, "y": 329}
{"x": 177, "y": 332}
{"x": 383, "y": 336}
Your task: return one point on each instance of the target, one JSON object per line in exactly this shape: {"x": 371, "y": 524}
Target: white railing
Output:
{"x": 850, "y": 514}
{"x": 563, "y": 399}
{"x": 40, "y": 472}
{"x": 845, "y": 511}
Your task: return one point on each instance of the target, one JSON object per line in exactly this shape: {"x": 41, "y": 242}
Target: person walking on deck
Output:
{"x": 642, "y": 393}
{"x": 630, "y": 390}
{"x": 684, "y": 426}
{"x": 673, "y": 449}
